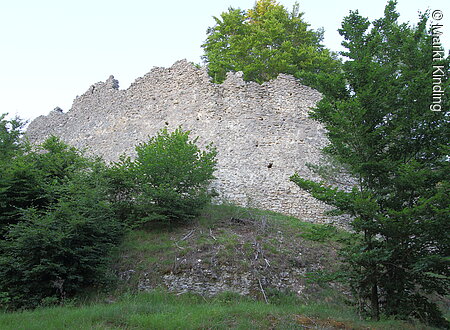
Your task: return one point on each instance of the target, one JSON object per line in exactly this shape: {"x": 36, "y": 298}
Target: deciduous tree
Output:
{"x": 263, "y": 42}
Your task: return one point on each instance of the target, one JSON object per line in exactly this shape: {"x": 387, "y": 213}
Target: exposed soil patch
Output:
{"x": 252, "y": 256}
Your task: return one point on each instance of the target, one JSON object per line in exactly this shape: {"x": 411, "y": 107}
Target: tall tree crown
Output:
{"x": 263, "y": 42}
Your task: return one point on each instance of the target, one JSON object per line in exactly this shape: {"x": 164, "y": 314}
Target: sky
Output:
{"x": 53, "y": 50}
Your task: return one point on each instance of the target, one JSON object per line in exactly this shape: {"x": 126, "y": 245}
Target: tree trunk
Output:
{"x": 374, "y": 302}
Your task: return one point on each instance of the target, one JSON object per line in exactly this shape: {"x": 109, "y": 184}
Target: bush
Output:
{"x": 57, "y": 252}
{"x": 58, "y": 227}
{"x": 33, "y": 179}
{"x": 168, "y": 180}
{"x": 61, "y": 212}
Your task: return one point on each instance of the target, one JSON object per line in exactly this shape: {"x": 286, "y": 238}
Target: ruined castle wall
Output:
{"x": 262, "y": 132}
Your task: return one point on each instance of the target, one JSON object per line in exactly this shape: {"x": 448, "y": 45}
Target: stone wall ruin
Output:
{"x": 262, "y": 132}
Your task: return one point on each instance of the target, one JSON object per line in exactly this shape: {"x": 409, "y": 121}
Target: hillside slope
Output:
{"x": 230, "y": 249}
{"x": 234, "y": 268}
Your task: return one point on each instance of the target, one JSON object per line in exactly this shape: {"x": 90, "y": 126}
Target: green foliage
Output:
{"x": 57, "y": 253}
{"x": 167, "y": 181}
{"x": 33, "y": 179}
{"x": 10, "y": 148}
{"x": 383, "y": 132}
{"x": 10, "y": 134}
{"x": 263, "y": 42}
{"x": 58, "y": 228}
{"x": 62, "y": 213}
{"x": 321, "y": 233}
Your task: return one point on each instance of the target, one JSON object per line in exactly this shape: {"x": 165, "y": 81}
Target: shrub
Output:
{"x": 57, "y": 252}
{"x": 58, "y": 227}
{"x": 32, "y": 179}
{"x": 168, "y": 180}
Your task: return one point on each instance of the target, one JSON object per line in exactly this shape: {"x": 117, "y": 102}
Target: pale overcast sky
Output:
{"x": 53, "y": 50}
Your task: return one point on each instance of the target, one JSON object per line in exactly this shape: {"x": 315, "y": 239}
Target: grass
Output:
{"x": 161, "y": 310}
{"x": 247, "y": 240}
{"x": 310, "y": 231}
{"x": 223, "y": 234}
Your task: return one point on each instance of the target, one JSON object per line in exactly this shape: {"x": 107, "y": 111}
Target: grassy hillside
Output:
{"x": 231, "y": 268}
{"x": 229, "y": 249}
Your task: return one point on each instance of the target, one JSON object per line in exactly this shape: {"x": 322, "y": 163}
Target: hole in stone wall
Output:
{"x": 270, "y": 165}
{"x": 166, "y": 123}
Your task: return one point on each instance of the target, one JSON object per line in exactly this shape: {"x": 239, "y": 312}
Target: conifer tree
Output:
{"x": 385, "y": 134}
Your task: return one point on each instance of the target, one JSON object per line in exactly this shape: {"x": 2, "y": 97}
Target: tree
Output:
{"x": 12, "y": 146}
{"x": 12, "y": 151}
{"x": 264, "y": 42}
{"x": 10, "y": 133}
{"x": 168, "y": 180}
{"x": 384, "y": 133}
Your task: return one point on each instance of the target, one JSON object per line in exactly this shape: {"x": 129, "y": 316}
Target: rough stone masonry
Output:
{"x": 262, "y": 132}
